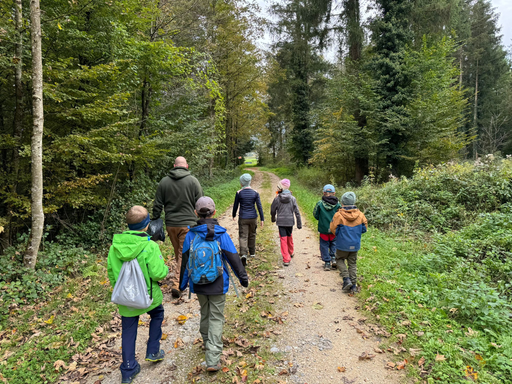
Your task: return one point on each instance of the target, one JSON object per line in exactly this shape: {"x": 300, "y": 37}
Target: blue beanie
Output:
{"x": 245, "y": 180}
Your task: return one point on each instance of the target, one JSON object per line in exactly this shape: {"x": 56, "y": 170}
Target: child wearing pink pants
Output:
{"x": 285, "y": 207}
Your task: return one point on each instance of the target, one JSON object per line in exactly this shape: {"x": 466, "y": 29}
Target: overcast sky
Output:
{"x": 503, "y": 7}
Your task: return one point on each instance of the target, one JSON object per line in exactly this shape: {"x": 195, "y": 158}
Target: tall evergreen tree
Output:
{"x": 391, "y": 32}
{"x": 302, "y": 27}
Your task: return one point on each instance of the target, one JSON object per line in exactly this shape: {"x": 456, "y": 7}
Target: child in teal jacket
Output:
{"x": 324, "y": 211}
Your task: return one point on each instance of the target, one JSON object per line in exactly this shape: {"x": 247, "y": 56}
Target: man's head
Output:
{"x": 137, "y": 218}
{"x": 205, "y": 207}
{"x": 329, "y": 190}
{"x": 180, "y": 162}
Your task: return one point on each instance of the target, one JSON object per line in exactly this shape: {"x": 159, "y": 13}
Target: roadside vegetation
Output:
{"x": 436, "y": 266}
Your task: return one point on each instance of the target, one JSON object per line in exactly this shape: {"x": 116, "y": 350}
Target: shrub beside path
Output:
{"x": 324, "y": 339}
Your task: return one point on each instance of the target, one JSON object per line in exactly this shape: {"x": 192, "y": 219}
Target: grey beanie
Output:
{"x": 245, "y": 180}
{"x": 348, "y": 198}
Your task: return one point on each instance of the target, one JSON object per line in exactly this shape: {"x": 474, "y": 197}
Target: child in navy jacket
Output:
{"x": 247, "y": 198}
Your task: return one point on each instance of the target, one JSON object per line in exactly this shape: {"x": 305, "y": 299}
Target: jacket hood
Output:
{"x": 285, "y": 197}
{"x": 128, "y": 245}
{"x": 350, "y": 214}
{"x": 179, "y": 173}
{"x": 208, "y": 229}
{"x": 329, "y": 202}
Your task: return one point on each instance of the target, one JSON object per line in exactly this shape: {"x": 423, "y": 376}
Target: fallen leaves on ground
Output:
{"x": 440, "y": 358}
{"x": 366, "y": 356}
{"x": 342, "y": 369}
{"x": 181, "y": 319}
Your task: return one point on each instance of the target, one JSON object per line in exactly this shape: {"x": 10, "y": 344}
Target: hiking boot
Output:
{"x": 347, "y": 284}
{"x": 175, "y": 293}
{"x": 154, "y": 357}
{"x": 129, "y": 380}
{"x": 214, "y": 368}
{"x": 327, "y": 266}
{"x": 354, "y": 289}
{"x": 333, "y": 264}
{"x": 244, "y": 260}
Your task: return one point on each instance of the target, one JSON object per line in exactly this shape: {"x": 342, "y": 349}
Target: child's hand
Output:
{"x": 262, "y": 224}
{"x": 234, "y": 218}
{"x": 299, "y": 227}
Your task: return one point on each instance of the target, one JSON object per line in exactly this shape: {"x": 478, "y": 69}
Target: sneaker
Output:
{"x": 214, "y": 368}
{"x": 347, "y": 284}
{"x": 129, "y": 380}
{"x": 244, "y": 260}
{"x": 154, "y": 357}
{"x": 286, "y": 264}
{"x": 333, "y": 264}
{"x": 354, "y": 289}
{"x": 175, "y": 293}
{"x": 252, "y": 255}
{"x": 327, "y": 266}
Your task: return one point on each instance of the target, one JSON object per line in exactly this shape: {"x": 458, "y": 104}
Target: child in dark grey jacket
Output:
{"x": 285, "y": 206}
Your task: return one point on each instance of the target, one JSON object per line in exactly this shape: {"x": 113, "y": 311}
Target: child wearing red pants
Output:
{"x": 285, "y": 207}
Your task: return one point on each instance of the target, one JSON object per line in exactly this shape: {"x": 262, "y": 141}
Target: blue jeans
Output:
{"x": 328, "y": 250}
{"x": 129, "y": 338}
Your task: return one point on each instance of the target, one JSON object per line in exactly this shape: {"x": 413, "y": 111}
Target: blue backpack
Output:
{"x": 205, "y": 261}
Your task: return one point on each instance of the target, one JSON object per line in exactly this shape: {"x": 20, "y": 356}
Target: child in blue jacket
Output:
{"x": 212, "y": 296}
{"x": 348, "y": 224}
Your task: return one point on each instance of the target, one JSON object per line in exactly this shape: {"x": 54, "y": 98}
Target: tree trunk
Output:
{"x": 18, "y": 118}
{"x": 36, "y": 234}
{"x": 475, "y": 114}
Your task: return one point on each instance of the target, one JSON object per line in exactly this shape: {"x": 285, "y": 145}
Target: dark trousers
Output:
{"x": 328, "y": 250}
{"x": 177, "y": 236}
{"x": 129, "y": 338}
{"x": 247, "y": 235}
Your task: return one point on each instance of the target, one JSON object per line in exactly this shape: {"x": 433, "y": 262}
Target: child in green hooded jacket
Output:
{"x": 131, "y": 244}
{"x": 324, "y": 211}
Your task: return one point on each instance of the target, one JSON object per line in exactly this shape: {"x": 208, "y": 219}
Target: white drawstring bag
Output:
{"x": 131, "y": 289}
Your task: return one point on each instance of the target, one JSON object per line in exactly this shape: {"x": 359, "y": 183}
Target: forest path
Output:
{"x": 324, "y": 333}
{"x": 324, "y": 330}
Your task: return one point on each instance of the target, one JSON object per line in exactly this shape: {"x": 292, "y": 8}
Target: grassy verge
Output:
{"x": 446, "y": 322}
{"x": 253, "y": 321}
{"x": 61, "y": 328}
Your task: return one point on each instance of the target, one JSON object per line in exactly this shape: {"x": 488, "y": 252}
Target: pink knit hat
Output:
{"x": 283, "y": 184}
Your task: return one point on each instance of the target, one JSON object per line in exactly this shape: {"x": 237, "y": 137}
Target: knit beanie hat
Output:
{"x": 348, "y": 198}
{"x": 283, "y": 184}
{"x": 245, "y": 180}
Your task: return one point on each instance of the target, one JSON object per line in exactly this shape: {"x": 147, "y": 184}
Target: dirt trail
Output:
{"x": 324, "y": 331}
{"x": 177, "y": 363}
{"x": 323, "y": 324}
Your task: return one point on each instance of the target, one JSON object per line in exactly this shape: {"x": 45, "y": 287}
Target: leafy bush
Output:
{"x": 439, "y": 198}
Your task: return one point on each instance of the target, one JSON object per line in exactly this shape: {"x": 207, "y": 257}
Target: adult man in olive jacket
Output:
{"x": 177, "y": 194}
